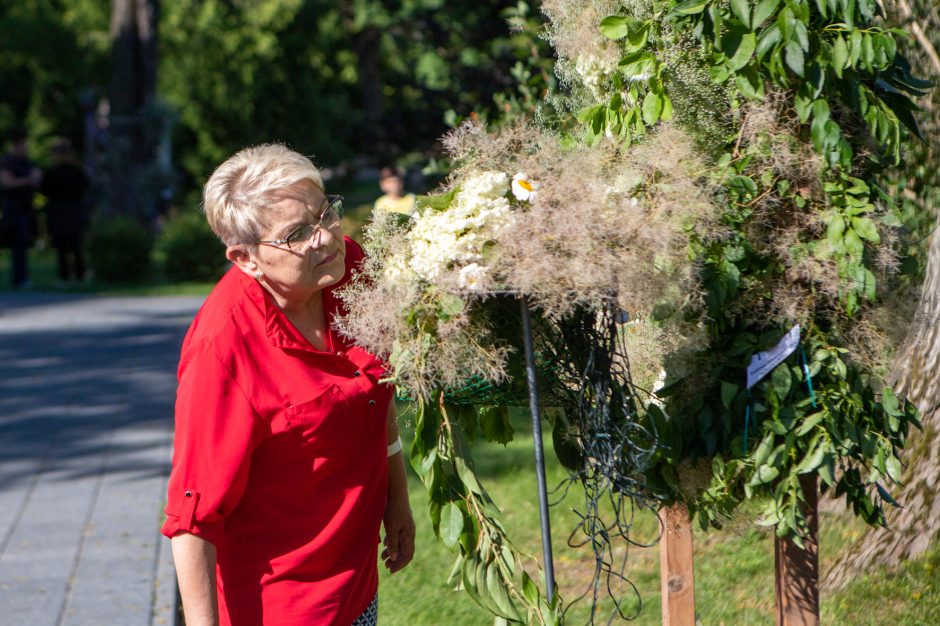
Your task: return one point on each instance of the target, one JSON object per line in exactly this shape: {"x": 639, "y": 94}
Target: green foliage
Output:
{"x": 464, "y": 516}
{"x": 340, "y": 79}
{"x": 192, "y": 251}
{"x": 119, "y": 250}
{"x": 829, "y": 55}
{"x": 51, "y": 51}
{"x": 846, "y": 95}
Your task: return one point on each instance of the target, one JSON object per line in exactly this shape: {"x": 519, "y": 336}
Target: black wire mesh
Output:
{"x": 583, "y": 369}
{"x": 602, "y": 440}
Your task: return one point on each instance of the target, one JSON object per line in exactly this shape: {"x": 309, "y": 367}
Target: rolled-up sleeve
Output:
{"x": 216, "y": 431}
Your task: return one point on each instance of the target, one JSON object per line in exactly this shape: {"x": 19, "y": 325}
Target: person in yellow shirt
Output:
{"x": 394, "y": 200}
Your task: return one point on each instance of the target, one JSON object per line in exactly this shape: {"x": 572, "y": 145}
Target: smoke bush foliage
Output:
{"x": 724, "y": 180}
{"x": 803, "y": 106}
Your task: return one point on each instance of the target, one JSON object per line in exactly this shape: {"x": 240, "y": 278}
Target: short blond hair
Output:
{"x": 237, "y": 193}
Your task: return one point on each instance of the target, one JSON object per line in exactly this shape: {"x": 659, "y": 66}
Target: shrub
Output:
{"x": 193, "y": 252}
{"x": 119, "y": 250}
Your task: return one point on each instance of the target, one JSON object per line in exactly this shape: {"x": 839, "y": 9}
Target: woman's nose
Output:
{"x": 322, "y": 237}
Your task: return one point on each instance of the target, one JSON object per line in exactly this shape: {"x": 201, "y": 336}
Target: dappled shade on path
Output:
{"x": 86, "y": 395}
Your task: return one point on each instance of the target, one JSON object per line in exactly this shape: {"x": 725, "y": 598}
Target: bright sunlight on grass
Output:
{"x": 734, "y": 575}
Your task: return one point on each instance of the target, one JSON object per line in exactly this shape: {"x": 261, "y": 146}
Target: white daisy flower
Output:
{"x": 523, "y": 188}
{"x": 472, "y": 277}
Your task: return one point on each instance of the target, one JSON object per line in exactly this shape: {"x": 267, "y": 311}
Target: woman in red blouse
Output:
{"x": 286, "y": 457}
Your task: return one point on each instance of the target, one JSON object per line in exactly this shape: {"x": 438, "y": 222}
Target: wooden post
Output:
{"x": 675, "y": 566}
{"x": 797, "y": 575}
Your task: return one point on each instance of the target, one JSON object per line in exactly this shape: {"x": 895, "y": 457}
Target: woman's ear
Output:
{"x": 243, "y": 259}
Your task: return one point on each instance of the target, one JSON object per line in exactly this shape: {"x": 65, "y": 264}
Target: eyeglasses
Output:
{"x": 329, "y": 218}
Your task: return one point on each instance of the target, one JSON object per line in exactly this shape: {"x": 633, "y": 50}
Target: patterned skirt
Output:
{"x": 370, "y": 616}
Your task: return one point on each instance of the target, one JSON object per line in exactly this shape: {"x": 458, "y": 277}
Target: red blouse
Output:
{"x": 280, "y": 459}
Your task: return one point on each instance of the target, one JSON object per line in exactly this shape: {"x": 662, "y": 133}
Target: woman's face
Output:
{"x": 304, "y": 267}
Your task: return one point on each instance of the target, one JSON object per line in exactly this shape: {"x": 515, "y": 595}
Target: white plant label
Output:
{"x": 764, "y": 362}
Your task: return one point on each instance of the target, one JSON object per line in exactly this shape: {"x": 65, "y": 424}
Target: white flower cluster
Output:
{"x": 441, "y": 241}
{"x": 594, "y": 73}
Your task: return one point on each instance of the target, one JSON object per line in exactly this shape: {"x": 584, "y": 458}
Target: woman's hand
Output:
{"x": 399, "y": 525}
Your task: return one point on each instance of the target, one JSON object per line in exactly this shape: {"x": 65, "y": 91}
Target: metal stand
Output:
{"x": 539, "y": 452}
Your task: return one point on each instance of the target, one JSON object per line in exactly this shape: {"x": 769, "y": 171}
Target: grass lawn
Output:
{"x": 734, "y": 574}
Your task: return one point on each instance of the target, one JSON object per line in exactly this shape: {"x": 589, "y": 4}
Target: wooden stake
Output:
{"x": 797, "y": 575}
{"x": 675, "y": 566}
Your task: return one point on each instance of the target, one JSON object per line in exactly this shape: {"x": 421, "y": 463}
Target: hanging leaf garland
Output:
{"x": 803, "y": 242}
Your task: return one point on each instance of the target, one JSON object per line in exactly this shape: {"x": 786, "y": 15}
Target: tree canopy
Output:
{"x": 332, "y": 79}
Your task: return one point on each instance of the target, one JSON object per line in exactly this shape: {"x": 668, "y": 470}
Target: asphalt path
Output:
{"x": 86, "y": 395}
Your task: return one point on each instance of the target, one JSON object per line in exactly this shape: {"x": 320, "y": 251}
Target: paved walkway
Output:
{"x": 86, "y": 395}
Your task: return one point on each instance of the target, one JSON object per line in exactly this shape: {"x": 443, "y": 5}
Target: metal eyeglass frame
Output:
{"x": 305, "y": 232}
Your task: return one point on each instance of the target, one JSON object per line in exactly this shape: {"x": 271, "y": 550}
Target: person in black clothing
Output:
{"x": 19, "y": 178}
{"x": 65, "y": 185}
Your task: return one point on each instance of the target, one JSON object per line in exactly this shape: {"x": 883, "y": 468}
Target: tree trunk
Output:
{"x": 133, "y": 87}
{"x": 370, "y": 87}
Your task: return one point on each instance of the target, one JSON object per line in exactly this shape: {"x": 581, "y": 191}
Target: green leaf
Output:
{"x": 569, "y": 453}
{"x": 529, "y": 589}
{"x": 615, "y": 27}
{"x": 739, "y": 48}
{"x": 497, "y": 591}
{"x": 803, "y": 106}
{"x": 853, "y": 244}
{"x": 885, "y": 495}
{"x": 893, "y": 466}
{"x": 764, "y": 475}
{"x": 750, "y": 84}
{"x": 813, "y": 460}
{"x": 728, "y": 392}
{"x": 781, "y": 380}
{"x": 835, "y": 231}
{"x": 763, "y": 449}
{"x": 763, "y": 10}
{"x": 826, "y": 473}
{"x": 793, "y": 55}
{"x": 652, "y": 108}
{"x": 855, "y": 47}
{"x": 638, "y": 64}
{"x": 866, "y": 229}
{"x": 868, "y": 52}
{"x": 589, "y": 113}
{"x": 809, "y": 423}
{"x": 637, "y": 39}
{"x": 690, "y": 7}
{"x": 494, "y": 420}
{"x": 840, "y": 55}
{"x": 449, "y": 305}
{"x": 743, "y": 11}
{"x": 666, "y": 115}
{"x": 436, "y": 202}
{"x": 467, "y": 476}
{"x": 890, "y": 403}
{"x": 768, "y": 38}
{"x": 451, "y": 524}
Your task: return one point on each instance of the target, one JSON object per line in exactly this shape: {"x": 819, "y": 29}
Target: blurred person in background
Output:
{"x": 19, "y": 179}
{"x": 65, "y": 185}
{"x": 394, "y": 200}
{"x": 287, "y": 460}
